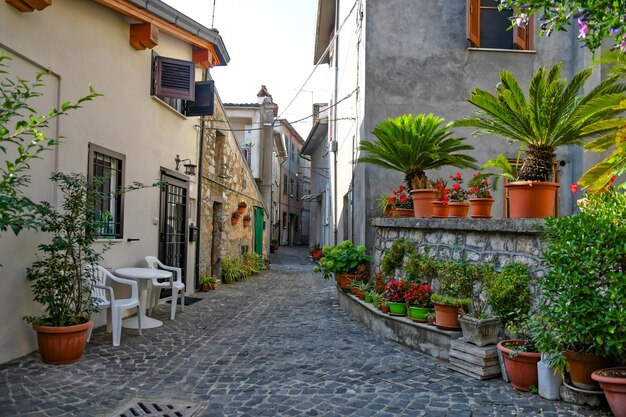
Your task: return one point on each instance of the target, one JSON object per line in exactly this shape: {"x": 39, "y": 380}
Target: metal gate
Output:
{"x": 173, "y": 225}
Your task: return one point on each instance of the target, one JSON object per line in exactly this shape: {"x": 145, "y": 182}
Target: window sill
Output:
{"x": 108, "y": 240}
{"x": 515, "y": 51}
{"x": 170, "y": 108}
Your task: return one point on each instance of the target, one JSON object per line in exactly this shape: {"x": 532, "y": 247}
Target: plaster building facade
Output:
{"x": 142, "y": 128}
{"x": 263, "y": 149}
{"x": 294, "y": 184}
{"x": 416, "y": 57}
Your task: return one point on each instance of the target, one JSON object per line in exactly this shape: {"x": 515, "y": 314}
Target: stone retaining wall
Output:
{"x": 495, "y": 241}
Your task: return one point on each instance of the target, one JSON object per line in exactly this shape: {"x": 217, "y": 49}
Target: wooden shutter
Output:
{"x": 523, "y": 36}
{"x": 203, "y": 104}
{"x": 473, "y": 22}
{"x": 174, "y": 78}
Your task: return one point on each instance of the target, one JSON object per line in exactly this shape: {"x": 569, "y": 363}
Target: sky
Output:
{"x": 270, "y": 42}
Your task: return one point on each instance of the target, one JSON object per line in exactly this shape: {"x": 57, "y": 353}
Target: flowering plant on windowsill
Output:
{"x": 457, "y": 193}
{"x": 480, "y": 186}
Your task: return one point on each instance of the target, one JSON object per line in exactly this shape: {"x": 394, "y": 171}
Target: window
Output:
{"x": 487, "y": 27}
{"x": 108, "y": 212}
{"x": 298, "y": 189}
{"x": 246, "y": 149}
{"x": 291, "y": 187}
{"x": 173, "y": 81}
{"x": 284, "y": 220}
{"x": 285, "y": 184}
{"x": 218, "y": 157}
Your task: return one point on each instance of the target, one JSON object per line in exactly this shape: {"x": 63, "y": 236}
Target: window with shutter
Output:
{"x": 174, "y": 78}
{"x": 488, "y": 27}
{"x": 203, "y": 103}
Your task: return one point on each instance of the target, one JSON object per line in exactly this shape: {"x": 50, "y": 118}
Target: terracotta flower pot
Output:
{"x": 521, "y": 368}
{"x": 62, "y": 345}
{"x": 440, "y": 210}
{"x": 234, "y": 221}
{"x": 241, "y": 210}
{"x": 343, "y": 280}
{"x": 447, "y": 317}
{"x": 384, "y": 308}
{"x": 481, "y": 207}
{"x": 582, "y": 365}
{"x": 531, "y": 199}
{"x": 458, "y": 209}
{"x": 402, "y": 212}
{"x": 613, "y": 382}
{"x": 422, "y": 199}
{"x": 246, "y": 223}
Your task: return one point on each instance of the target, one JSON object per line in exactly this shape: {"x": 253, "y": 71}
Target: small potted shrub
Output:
{"x": 402, "y": 203}
{"x": 454, "y": 297}
{"x": 204, "y": 282}
{"x": 343, "y": 260}
{"x": 521, "y": 354}
{"x": 441, "y": 199}
{"x": 479, "y": 326}
{"x": 458, "y": 205}
{"x": 241, "y": 207}
{"x": 234, "y": 218}
{"x": 315, "y": 252}
{"x": 417, "y": 298}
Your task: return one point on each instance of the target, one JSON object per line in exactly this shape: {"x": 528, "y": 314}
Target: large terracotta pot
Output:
{"x": 582, "y": 365}
{"x": 481, "y": 207}
{"x": 522, "y": 367}
{"x": 343, "y": 280}
{"x": 402, "y": 212}
{"x": 447, "y": 317}
{"x": 531, "y": 199}
{"x": 613, "y": 382}
{"x": 458, "y": 209}
{"x": 422, "y": 202}
{"x": 440, "y": 210}
{"x": 62, "y": 345}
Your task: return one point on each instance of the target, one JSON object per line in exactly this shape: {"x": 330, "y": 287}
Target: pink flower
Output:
{"x": 583, "y": 29}
{"x": 574, "y": 188}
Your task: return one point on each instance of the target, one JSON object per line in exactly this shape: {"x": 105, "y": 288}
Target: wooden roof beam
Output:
{"x": 144, "y": 35}
{"x": 26, "y": 6}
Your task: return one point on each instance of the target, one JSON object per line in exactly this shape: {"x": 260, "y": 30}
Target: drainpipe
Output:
{"x": 205, "y": 77}
{"x": 334, "y": 145}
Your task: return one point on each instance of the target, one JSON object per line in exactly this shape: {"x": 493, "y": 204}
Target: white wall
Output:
{"x": 84, "y": 43}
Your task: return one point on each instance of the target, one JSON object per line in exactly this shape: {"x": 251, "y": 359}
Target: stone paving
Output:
{"x": 274, "y": 345}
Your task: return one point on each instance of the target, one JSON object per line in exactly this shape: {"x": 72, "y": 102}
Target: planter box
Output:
{"x": 481, "y": 332}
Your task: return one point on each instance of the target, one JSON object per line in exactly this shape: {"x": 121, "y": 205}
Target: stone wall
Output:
{"x": 495, "y": 241}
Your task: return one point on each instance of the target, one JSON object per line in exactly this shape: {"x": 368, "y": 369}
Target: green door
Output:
{"x": 259, "y": 225}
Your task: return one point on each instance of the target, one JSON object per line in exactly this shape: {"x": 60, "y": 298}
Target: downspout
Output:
{"x": 335, "y": 145}
{"x": 205, "y": 77}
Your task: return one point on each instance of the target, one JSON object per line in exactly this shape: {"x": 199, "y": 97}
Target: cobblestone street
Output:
{"x": 274, "y": 345}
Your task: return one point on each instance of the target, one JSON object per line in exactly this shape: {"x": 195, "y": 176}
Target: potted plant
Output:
{"x": 441, "y": 199}
{"x": 453, "y": 297}
{"x": 520, "y": 354}
{"x": 481, "y": 199}
{"x": 273, "y": 245}
{"x": 554, "y": 114}
{"x": 402, "y": 203}
{"x": 207, "y": 282}
{"x": 315, "y": 252}
{"x": 234, "y": 218}
{"x": 479, "y": 326}
{"x": 417, "y": 297}
{"x": 613, "y": 382}
{"x": 457, "y": 204}
{"x": 59, "y": 281}
{"x": 395, "y": 290}
{"x": 414, "y": 145}
{"x": 241, "y": 207}
{"x": 386, "y": 204}
{"x": 342, "y": 260}
{"x": 581, "y": 296}
{"x": 246, "y": 220}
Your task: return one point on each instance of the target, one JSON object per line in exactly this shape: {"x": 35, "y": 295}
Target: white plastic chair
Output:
{"x": 103, "y": 291}
{"x": 175, "y": 283}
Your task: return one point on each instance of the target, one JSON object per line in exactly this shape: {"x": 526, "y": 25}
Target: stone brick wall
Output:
{"x": 495, "y": 241}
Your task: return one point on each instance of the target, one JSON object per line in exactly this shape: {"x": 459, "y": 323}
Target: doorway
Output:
{"x": 173, "y": 225}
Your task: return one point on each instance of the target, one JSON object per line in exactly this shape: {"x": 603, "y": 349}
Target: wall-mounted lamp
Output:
{"x": 190, "y": 169}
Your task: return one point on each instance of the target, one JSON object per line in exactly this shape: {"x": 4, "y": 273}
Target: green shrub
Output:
{"x": 508, "y": 293}
{"x": 420, "y": 267}
{"x": 252, "y": 263}
{"x": 394, "y": 258}
{"x": 463, "y": 303}
{"x": 343, "y": 258}
{"x": 454, "y": 279}
{"x": 232, "y": 270}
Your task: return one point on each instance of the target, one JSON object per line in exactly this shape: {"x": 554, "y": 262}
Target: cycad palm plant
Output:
{"x": 554, "y": 114}
{"x": 415, "y": 144}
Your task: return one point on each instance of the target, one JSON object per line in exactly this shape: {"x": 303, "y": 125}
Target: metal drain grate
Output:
{"x": 156, "y": 408}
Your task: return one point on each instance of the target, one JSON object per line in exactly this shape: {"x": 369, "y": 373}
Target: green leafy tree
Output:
{"x": 22, "y": 139}
{"x": 554, "y": 114}
{"x": 414, "y": 145}
{"x": 595, "y": 19}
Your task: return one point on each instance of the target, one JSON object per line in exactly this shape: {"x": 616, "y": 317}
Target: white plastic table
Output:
{"x": 142, "y": 276}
